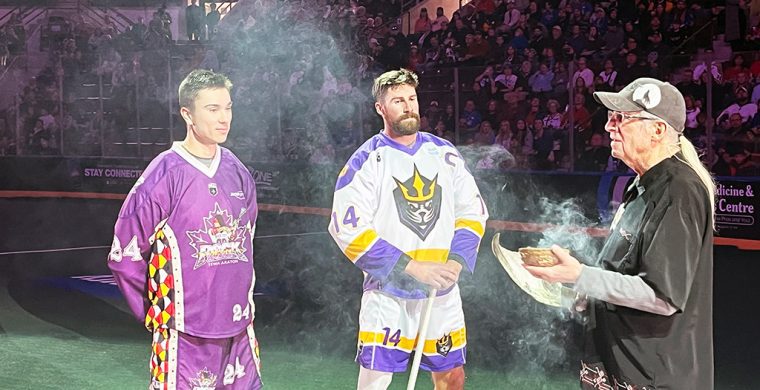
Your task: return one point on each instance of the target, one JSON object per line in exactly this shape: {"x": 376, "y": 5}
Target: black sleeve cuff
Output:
{"x": 403, "y": 279}
{"x": 460, "y": 260}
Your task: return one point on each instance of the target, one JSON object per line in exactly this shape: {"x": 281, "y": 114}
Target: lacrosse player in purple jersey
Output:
{"x": 182, "y": 252}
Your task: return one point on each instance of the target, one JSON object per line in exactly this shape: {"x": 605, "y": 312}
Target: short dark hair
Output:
{"x": 198, "y": 80}
{"x": 393, "y": 79}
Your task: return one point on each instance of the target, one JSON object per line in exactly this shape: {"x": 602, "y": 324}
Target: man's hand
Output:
{"x": 566, "y": 271}
{"x": 436, "y": 275}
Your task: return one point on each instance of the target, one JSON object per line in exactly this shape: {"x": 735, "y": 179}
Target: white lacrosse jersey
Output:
{"x": 393, "y": 200}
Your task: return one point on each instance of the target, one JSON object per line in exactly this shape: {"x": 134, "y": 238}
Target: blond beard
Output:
{"x": 405, "y": 126}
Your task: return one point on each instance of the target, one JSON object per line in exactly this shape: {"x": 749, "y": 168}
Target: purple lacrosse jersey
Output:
{"x": 182, "y": 252}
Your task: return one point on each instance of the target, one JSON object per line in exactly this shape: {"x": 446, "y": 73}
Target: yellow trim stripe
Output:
{"x": 430, "y": 255}
{"x": 458, "y": 340}
{"x": 360, "y": 244}
{"x": 475, "y": 226}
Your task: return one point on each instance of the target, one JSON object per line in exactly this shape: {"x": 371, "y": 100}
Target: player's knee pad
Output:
{"x": 373, "y": 380}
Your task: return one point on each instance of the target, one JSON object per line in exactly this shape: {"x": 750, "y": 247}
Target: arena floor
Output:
{"x": 63, "y": 324}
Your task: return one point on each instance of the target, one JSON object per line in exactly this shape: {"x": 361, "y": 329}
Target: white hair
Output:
{"x": 691, "y": 158}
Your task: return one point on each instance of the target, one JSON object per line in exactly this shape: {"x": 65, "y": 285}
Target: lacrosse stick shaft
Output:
{"x": 421, "y": 340}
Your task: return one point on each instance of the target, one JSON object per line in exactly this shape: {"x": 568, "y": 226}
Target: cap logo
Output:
{"x": 647, "y": 95}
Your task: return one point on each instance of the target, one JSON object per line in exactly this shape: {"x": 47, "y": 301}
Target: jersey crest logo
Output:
{"x": 212, "y": 189}
{"x": 443, "y": 345}
{"x": 220, "y": 241}
{"x": 418, "y": 202}
{"x": 204, "y": 380}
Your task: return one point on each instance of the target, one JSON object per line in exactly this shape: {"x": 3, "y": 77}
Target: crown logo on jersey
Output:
{"x": 421, "y": 189}
{"x": 418, "y": 202}
{"x": 444, "y": 344}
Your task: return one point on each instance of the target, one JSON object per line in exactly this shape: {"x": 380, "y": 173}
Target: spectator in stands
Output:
{"x": 425, "y": 124}
{"x": 679, "y": 22}
{"x": 512, "y": 58}
{"x": 561, "y": 79}
{"x": 541, "y": 81}
{"x": 608, "y": 74}
{"x": 507, "y": 81}
{"x": 470, "y": 114}
{"x": 392, "y": 55}
{"x": 504, "y": 137}
{"x": 629, "y": 72}
{"x": 440, "y": 21}
{"x": 658, "y": 50}
{"x": 434, "y": 113}
{"x": 434, "y": 53}
{"x": 449, "y": 118}
{"x": 212, "y": 21}
{"x": 194, "y": 21}
{"x": 576, "y": 40}
{"x": 557, "y": 41}
{"x": 734, "y": 127}
{"x": 553, "y": 118}
{"x": 416, "y": 59}
{"x": 524, "y": 73}
{"x": 737, "y": 66}
{"x": 532, "y": 111}
{"x": 742, "y": 106}
{"x": 511, "y": 17}
{"x": 583, "y": 72}
{"x": 599, "y": 19}
{"x": 498, "y": 49}
{"x": 595, "y": 155}
{"x": 692, "y": 115}
{"x": 166, "y": 20}
{"x": 593, "y": 44}
{"x": 744, "y": 80}
{"x": 530, "y": 55}
{"x": 754, "y": 124}
{"x": 493, "y": 112}
{"x": 441, "y": 131}
{"x": 543, "y": 144}
{"x": 485, "y": 134}
{"x": 724, "y": 166}
{"x": 423, "y": 23}
{"x": 156, "y": 37}
{"x": 744, "y": 164}
{"x": 538, "y": 40}
{"x": 477, "y": 49}
{"x": 137, "y": 31}
{"x": 519, "y": 41}
{"x": 581, "y": 117}
{"x": 631, "y": 46}
{"x": 548, "y": 15}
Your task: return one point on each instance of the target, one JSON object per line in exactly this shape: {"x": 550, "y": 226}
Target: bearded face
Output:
{"x": 406, "y": 124}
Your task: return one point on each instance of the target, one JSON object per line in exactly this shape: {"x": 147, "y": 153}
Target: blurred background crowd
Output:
{"x": 509, "y": 81}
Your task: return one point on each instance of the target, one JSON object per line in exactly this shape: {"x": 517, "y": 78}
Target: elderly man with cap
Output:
{"x": 649, "y": 302}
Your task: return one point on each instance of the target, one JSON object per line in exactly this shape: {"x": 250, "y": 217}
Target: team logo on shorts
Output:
{"x": 443, "y": 345}
{"x": 220, "y": 241}
{"x": 418, "y": 201}
{"x": 204, "y": 380}
{"x": 212, "y": 189}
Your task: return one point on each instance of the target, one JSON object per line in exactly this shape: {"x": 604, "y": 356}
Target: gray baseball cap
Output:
{"x": 656, "y": 97}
